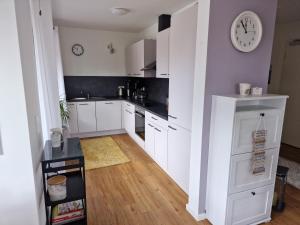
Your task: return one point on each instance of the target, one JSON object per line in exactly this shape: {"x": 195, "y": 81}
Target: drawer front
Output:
{"x": 246, "y": 123}
{"x": 129, "y": 106}
{"x": 250, "y": 207}
{"x": 156, "y": 119}
{"x": 241, "y": 176}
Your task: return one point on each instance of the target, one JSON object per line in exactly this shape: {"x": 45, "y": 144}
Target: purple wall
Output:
{"x": 226, "y": 67}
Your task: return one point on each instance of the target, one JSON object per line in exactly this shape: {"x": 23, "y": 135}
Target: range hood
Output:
{"x": 150, "y": 67}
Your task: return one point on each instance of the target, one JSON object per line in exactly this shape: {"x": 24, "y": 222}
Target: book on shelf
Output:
{"x": 67, "y": 212}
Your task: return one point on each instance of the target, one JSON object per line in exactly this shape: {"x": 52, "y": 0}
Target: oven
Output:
{"x": 140, "y": 122}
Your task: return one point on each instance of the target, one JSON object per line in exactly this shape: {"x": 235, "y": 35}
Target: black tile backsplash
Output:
{"x": 157, "y": 88}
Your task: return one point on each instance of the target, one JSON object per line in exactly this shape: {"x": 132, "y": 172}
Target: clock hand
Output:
{"x": 244, "y": 26}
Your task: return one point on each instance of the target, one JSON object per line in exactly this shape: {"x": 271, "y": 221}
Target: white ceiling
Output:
{"x": 288, "y": 11}
{"x": 96, "y": 13}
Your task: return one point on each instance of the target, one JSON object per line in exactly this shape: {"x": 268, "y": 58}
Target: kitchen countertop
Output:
{"x": 156, "y": 108}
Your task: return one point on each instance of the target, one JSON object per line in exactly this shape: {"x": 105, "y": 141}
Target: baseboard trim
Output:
{"x": 99, "y": 133}
{"x": 196, "y": 215}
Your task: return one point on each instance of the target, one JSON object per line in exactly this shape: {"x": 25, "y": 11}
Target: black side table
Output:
{"x": 76, "y": 190}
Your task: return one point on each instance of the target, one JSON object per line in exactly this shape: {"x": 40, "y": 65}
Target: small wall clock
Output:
{"x": 246, "y": 31}
{"x": 77, "y": 49}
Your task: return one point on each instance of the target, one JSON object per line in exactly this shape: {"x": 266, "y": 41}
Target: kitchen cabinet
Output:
{"x": 109, "y": 115}
{"x": 150, "y": 139}
{"x": 179, "y": 147}
{"x": 128, "y": 118}
{"x": 161, "y": 147}
{"x": 183, "y": 33}
{"x": 138, "y": 56}
{"x": 232, "y": 184}
{"x": 162, "y": 53}
{"x": 86, "y": 112}
{"x": 72, "y": 121}
{"x": 156, "y": 141}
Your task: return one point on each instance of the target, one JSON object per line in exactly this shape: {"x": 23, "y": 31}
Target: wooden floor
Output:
{"x": 140, "y": 193}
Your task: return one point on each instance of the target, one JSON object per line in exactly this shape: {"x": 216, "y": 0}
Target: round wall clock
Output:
{"x": 77, "y": 49}
{"x": 246, "y": 31}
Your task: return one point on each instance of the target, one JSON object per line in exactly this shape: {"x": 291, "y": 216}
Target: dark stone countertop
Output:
{"x": 156, "y": 108}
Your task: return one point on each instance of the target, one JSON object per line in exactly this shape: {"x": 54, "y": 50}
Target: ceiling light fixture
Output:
{"x": 119, "y": 11}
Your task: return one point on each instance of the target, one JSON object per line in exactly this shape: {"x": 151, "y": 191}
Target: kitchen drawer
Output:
{"x": 250, "y": 207}
{"x": 156, "y": 119}
{"x": 241, "y": 176}
{"x": 246, "y": 123}
{"x": 129, "y": 106}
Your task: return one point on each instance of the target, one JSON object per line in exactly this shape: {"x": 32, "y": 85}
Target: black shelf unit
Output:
{"x": 75, "y": 173}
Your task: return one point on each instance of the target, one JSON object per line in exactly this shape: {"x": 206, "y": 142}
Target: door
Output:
{"x": 161, "y": 147}
{"x": 290, "y": 82}
{"x": 86, "y": 117}
{"x": 247, "y": 122}
{"x": 73, "y": 123}
{"x": 149, "y": 139}
{"x": 241, "y": 176}
{"x": 108, "y": 115}
{"x": 183, "y": 34}
{"x": 250, "y": 207}
{"x": 179, "y": 143}
{"x": 162, "y": 54}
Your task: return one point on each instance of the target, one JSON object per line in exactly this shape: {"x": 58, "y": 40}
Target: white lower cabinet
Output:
{"x": 73, "y": 120}
{"x": 149, "y": 139}
{"x": 179, "y": 143}
{"x": 109, "y": 115}
{"x": 156, "y": 143}
{"x": 128, "y": 118}
{"x": 161, "y": 147}
{"x": 86, "y": 112}
{"x": 250, "y": 206}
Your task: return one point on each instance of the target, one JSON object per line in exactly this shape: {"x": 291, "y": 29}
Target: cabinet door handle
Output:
{"x": 84, "y": 104}
{"x": 262, "y": 114}
{"x": 70, "y": 104}
{"x": 150, "y": 125}
{"x": 153, "y": 118}
{"x": 157, "y": 129}
{"x": 128, "y": 111}
{"x": 109, "y": 103}
{"x": 253, "y": 193}
{"x": 164, "y": 74}
{"x": 173, "y": 117}
{"x": 128, "y": 105}
{"x": 172, "y": 128}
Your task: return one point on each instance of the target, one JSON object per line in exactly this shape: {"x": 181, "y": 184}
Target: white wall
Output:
{"x": 19, "y": 118}
{"x": 96, "y": 60}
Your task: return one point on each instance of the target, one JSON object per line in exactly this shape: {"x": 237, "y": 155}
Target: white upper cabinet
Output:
{"x": 162, "y": 53}
{"x": 183, "y": 34}
{"x": 73, "y": 123}
{"x": 138, "y": 56}
{"x": 109, "y": 115}
{"x": 86, "y": 117}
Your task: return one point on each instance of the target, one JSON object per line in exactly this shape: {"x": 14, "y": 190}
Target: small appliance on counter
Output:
{"x": 121, "y": 91}
{"x": 142, "y": 93}
{"x": 128, "y": 91}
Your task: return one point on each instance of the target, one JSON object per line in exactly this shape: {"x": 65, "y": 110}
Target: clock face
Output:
{"x": 246, "y": 31}
{"x": 77, "y": 49}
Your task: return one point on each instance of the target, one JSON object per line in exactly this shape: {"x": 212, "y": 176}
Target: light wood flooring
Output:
{"x": 140, "y": 193}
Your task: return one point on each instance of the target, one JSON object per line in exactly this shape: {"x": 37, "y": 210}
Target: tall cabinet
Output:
{"x": 236, "y": 195}
{"x": 181, "y": 79}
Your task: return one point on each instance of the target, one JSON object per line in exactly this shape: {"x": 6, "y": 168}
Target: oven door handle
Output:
{"x": 139, "y": 115}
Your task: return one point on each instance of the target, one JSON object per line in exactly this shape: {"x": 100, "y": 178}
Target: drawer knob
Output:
{"x": 262, "y": 114}
{"x": 253, "y": 193}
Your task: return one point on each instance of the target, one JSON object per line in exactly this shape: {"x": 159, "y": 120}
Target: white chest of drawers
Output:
{"x": 234, "y": 195}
